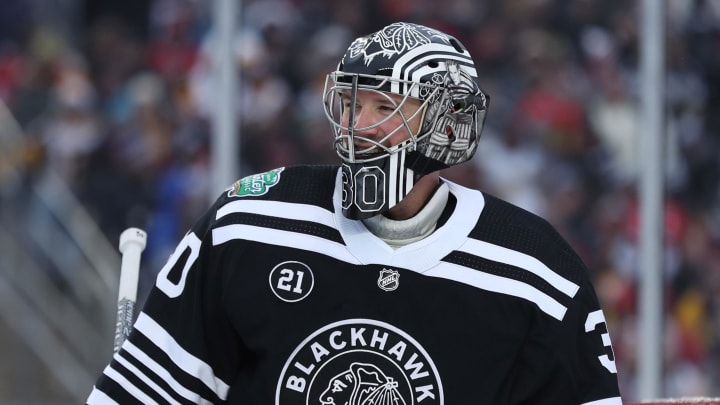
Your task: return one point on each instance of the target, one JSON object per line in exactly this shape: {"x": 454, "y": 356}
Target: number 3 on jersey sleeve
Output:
{"x": 594, "y": 320}
{"x": 164, "y": 283}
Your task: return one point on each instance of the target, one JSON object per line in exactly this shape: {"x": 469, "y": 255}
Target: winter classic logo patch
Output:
{"x": 256, "y": 184}
{"x": 359, "y": 362}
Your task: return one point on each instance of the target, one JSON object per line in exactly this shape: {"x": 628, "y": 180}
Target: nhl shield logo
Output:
{"x": 389, "y": 280}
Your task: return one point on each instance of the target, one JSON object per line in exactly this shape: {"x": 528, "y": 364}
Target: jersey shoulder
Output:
{"x": 297, "y": 199}
{"x": 509, "y": 226}
{"x": 302, "y": 184}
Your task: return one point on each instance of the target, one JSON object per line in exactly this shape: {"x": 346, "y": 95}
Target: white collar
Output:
{"x": 366, "y": 248}
{"x": 400, "y": 233}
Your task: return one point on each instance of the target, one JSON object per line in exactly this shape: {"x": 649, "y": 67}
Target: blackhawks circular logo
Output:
{"x": 256, "y": 184}
{"x": 359, "y": 362}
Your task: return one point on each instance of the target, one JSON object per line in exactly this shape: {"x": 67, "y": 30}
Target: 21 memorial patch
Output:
{"x": 256, "y": 184}
{"x": 357, "y": 362}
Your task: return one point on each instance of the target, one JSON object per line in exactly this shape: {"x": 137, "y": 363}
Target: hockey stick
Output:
{"x": 132, "y": 243}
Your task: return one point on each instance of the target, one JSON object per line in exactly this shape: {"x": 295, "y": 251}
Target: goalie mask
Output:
{"x": 405, "y": 66}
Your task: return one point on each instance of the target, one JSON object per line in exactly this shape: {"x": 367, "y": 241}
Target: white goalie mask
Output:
{"x": 402, "y": 62}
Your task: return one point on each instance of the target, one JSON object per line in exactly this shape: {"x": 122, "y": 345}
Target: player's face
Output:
{"x": 377, "y": 119}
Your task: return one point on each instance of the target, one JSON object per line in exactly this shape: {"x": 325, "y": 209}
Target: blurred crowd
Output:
{"x": 119, "y": 103}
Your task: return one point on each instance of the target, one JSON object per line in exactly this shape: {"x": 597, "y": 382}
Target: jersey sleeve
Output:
{"x": 586, "y": 352}
{"x": 568, "y": 361}
{"x": 171, "y": 355}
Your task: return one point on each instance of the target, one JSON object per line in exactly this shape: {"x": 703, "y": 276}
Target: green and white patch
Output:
{"x": 256, "y": 184}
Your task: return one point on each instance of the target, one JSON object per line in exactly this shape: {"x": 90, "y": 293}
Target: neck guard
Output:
{"x": 401, "y": 233}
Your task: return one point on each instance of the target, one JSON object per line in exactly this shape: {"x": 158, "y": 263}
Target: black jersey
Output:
{"x": 274, "y": 297}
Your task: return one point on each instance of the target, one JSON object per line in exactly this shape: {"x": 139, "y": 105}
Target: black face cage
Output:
{"x": 340, "y": 84}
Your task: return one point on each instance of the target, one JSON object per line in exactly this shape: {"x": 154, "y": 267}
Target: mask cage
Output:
{"x": 347, "y": 140}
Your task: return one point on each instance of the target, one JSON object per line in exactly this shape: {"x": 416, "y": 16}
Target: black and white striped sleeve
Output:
{"x": 172, "y": 355}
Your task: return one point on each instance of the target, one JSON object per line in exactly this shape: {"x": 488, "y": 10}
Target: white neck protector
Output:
{"x": 401, "y": 233}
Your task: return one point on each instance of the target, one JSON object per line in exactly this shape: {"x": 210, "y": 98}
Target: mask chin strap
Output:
{"x": 401, "y": 179}
{"x": 372, "y": 188}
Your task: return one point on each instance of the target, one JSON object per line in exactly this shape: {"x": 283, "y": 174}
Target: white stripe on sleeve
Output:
{"x": 128, "y": 386}
{"x": 282, "y": 238}
{"x": 160, "y": 372}
{"x": 501, "y": 254}
{"x": 145, "y": 379}
{"x": 184, "y": 360}
{"x": 98, "y": 397}
{"x": 503, "y": 285}
{"x": 301, "y": 212}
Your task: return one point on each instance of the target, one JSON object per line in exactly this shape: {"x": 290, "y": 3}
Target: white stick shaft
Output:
{"x": 132, "y": 243}
{"x": 130, "y": 272}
